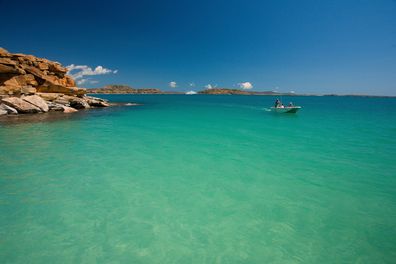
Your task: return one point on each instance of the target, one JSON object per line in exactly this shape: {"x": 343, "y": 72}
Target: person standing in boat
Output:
{"x": 277, "y": 103}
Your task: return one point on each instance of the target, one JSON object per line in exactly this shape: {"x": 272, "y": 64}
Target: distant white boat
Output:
{"x": 286, "y": 109}
{"x": 191, "y": 92}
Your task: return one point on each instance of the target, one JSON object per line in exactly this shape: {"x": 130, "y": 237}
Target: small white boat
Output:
{"x": 286, "y": 109}
{"x": 191, "y": 92}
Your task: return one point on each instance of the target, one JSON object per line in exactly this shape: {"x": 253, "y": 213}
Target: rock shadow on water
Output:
{"x": 45, "y": 117}
{"x": 8, "y": 120}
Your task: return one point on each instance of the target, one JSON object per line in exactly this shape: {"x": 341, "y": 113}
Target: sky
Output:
{"x": 306, "y": 46}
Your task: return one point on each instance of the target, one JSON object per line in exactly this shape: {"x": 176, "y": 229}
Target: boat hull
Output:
{"x": 286, "y": 110}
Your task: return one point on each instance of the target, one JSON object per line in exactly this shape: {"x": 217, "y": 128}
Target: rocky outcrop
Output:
{"x": 8, "y": 109}
{"x": 78, "y": 103}
{"x": 93, "y": 101}
{"x": 21, "y": 105}
{"x": 34, "y": 85}
{"x": 19, "y": 70}
{"x": 49, "y": 87}
{"x": 37, "y": 101}
{"x": 67, "y": 109}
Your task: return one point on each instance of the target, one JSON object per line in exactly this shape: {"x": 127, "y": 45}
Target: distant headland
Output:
{"x": 125, "y": 89}
{"x": 239, "y": 92}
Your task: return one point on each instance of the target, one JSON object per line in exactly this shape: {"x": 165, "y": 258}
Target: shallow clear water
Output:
{"x": 201, "y": 179}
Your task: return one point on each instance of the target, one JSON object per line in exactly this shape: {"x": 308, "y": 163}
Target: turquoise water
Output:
{"x": 201, "y": 179}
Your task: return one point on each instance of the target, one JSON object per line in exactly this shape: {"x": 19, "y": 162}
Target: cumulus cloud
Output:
{"x": 209, "y": 86}
{"x": 86, "y": 81}
{"x": 245, "y": 85}
{"x": 173, "y": 84}
{"x": 81, "y": 81}
{"x": 79, "y": 71}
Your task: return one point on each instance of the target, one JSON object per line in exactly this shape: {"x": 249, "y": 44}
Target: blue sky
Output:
{"x": 306, "y": 46}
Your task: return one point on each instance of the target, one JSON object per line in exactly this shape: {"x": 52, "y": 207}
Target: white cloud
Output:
{"x": 81, "y": 81}
{"x": 245, "y": 85}
{"x": 173, "y": 84}
{"x": 76, "y": 67}
{"x": 192, "y": 84}
{"x": 209, "y": 86}
{"x": 83, "y": 70}
{"x": 86, "y": 81}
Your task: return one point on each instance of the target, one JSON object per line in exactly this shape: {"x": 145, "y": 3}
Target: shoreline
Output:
{"x": 253, "y": 94}
{"x": 31, "y": 85}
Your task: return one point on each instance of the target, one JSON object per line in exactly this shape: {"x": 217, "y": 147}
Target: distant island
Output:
{"x": 240, "y": 92}
{"x": 125, "y": 89}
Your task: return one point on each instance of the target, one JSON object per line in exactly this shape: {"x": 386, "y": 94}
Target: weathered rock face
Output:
{"x": 67, "y": 109}
{"x": 34, "y": 85}
{"x": 55, "y": 107}
{"x": 19, "y": 70}
{"x": 21, "y": 80}
{"x": 49, "y": 96}
{"x": 37, "y": 101}
{"x": 8, "y": 109}
{"x": 7, "y": 69}
{"x": 49, "y": 87}
{"x": 28, "y": 90}
{"x": 78, "y": 103}
{"x": 3, "y": 51}
{"x": 92, "y": 101}
{"x": 21, "y": 105}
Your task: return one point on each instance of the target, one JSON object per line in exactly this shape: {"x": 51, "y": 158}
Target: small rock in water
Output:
{"x": 67, "y": 109}
{"x": 95, "y": 102}
{"x": 55, "y": 107}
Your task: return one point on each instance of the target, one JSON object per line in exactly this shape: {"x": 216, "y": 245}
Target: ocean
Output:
{"x": 201, "y": 179}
